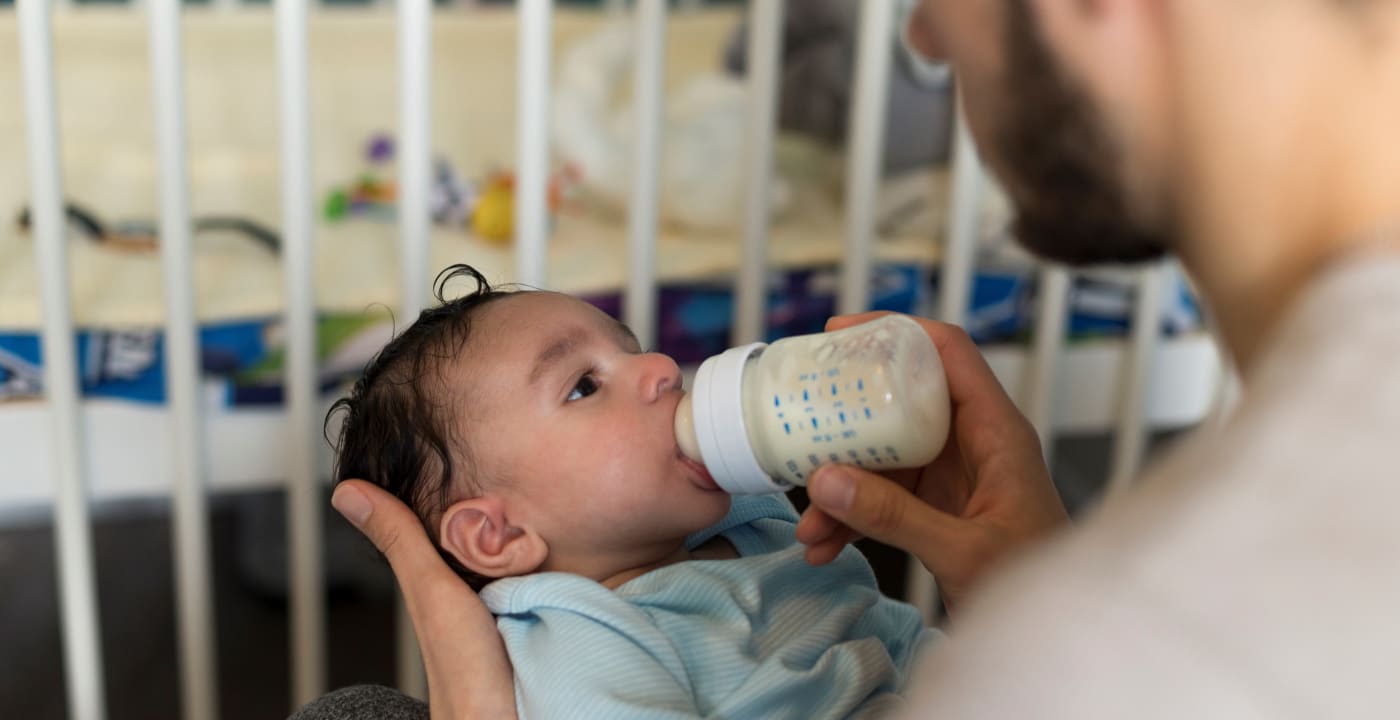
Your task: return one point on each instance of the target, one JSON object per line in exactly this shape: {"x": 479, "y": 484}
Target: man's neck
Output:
{"x": 1291, "y": 159}
{"x": 1248, "y": 308}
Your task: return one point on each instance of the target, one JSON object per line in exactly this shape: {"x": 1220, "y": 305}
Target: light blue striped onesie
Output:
{"x": 764, "y": 635}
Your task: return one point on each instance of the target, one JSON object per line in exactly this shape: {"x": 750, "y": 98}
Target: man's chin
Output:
{"x": 1076, "y": 243}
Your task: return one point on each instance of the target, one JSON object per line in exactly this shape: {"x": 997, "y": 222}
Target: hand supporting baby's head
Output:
{"x": 530, "y": 433}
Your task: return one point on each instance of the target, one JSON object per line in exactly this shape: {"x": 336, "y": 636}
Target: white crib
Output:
{"x": 84, "y": 450}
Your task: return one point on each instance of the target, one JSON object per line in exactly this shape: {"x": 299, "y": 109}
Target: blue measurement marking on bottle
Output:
{"x": 787, "y": 428}
{"x": 805, "y": 397}
{"x": 867, "y": 413}
{"x": 843, "y": 418}
{"x": 847, "y": 435}
{"x": 777, "y": 401}
{"x": 814, "y": 423}
{"x": 860, "y": 384}
{"x": 833, "y": 372}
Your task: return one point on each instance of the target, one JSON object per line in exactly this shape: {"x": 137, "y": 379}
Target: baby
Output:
{"x": 534, "y": 437}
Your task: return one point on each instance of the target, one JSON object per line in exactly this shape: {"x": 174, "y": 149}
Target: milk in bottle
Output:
{"x": 762, "y": 417}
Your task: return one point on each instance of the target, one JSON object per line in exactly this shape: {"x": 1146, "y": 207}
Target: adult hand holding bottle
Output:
{"x": 987, "y": 493}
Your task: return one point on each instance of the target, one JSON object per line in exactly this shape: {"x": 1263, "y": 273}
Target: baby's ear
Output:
{"x": 479, "y": 535}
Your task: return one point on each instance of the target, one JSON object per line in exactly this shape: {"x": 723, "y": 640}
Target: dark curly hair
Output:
{"x": 397, "y": 430}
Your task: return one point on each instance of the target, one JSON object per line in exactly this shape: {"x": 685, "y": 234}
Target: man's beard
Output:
{"x": 1060, "y": 164}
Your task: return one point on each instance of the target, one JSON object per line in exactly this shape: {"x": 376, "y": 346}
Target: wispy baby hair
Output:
{"x": 398, "y": 429}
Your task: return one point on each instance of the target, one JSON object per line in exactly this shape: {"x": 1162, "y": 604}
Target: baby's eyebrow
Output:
{"x": 555, "y": 351}
{"x": 628, "y": 337}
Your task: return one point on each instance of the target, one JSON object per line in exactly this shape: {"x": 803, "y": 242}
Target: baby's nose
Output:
{"x": 660, "y": 375}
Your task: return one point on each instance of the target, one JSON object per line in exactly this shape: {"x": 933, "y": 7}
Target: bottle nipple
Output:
{"x": 685, "y": 430}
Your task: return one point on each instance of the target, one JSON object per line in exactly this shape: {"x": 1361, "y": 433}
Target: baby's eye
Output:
{"x": 585, "y": 386}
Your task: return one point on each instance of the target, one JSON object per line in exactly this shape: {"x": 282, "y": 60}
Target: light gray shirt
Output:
{"x": 1253, "y": 573}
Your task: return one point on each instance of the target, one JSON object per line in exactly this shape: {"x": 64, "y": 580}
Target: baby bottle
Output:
{"x": 762, "y": 417}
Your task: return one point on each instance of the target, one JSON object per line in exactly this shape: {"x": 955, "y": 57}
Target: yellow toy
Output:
{"x": 493, "y": 218}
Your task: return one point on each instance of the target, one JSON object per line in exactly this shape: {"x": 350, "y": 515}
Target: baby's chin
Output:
{"x": 696, "y": 515}
{"x": 718, "y": 503}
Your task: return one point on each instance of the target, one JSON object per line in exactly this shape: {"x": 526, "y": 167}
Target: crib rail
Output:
{"x": 1035, "y": 392}
{"x": 304, "y": 502}
{"x": 82, "y": 651}
{"x": 194, "y": 606}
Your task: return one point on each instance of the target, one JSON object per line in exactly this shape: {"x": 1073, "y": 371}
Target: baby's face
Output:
{"x": 573, "y": 426}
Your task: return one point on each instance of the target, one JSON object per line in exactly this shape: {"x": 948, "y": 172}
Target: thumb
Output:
{"x": 395, "y": 530}
{"x": 880, "y": 508}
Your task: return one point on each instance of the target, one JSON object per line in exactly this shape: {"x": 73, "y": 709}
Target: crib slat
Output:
{"x": 963, "y": 224}
{"x": 415, "y": 174}
{"x": 1130, "y": 438}
{"x": 305, "y": 521}
{"x": 1049, "y": 342}
{"x": 955, "y": 292}
{"x": 414, "y": 155}
{"x": 865, "y": 151}
{"x": 82, "y": 643}
{"x": 532, "y": 142}
{"x": 192, "y": 555}
{"x": 764, "y": 50}
{"x": 641, "y": 298}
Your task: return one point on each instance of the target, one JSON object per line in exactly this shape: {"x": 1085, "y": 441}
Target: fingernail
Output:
{"x": 352, "y": 504}
{"x": 832, "y": 488}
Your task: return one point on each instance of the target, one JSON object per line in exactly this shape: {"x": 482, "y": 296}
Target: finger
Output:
{"x": 884, "y": 510}
{"x": 436, "y": 598}
{"x": 828, "y": 549}
{"x": 816, "y": 527}
{"x": 823, "y": 553}
{"x": 394, "y": 529}
{"x": 841, "y": 322}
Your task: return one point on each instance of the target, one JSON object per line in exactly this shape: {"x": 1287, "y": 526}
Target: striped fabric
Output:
{"x": 761, "y": 636}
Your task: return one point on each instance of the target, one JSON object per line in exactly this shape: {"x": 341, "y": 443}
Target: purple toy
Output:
{"x": 380, "y": 149}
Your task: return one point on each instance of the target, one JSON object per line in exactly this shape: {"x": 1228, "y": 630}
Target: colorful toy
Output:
{"x": 380, "y": 150}
{"x": 486, "y": 207}
{"x": 493, "y": 219}
{"x": 337, "y": 204}
{"x": 453, "y": 198}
